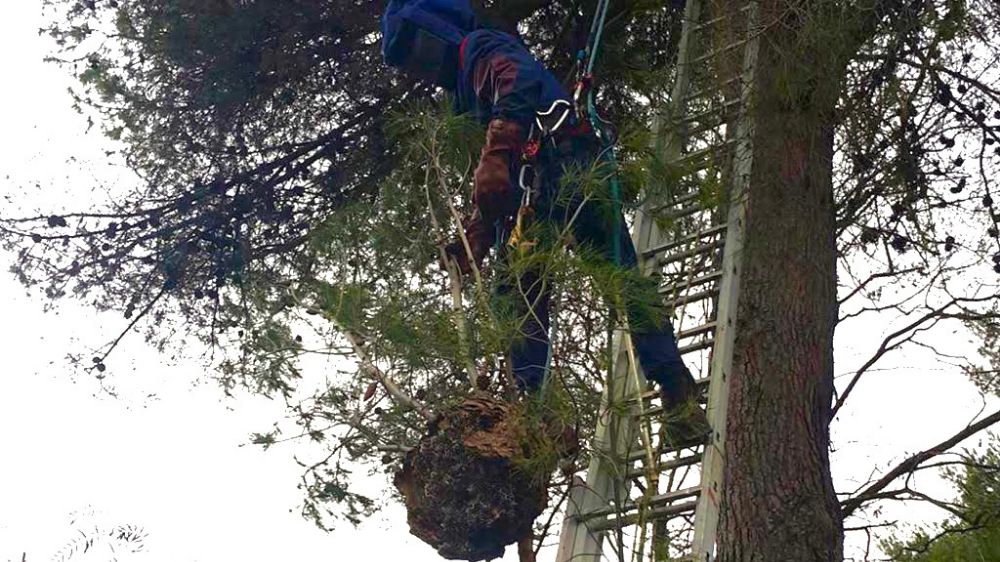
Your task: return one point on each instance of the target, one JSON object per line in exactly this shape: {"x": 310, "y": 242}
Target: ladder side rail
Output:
{"x": 577, "y": 542}
{"x": 669, "y": 136}
{"x": 606, "y": 482}
{"x": 707, "y": 512}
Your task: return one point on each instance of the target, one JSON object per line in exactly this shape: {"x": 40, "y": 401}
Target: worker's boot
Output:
{"x": 682, "y": 413}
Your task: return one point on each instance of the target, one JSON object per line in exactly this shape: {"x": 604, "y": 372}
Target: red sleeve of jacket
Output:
{"x": 501, "y": 82}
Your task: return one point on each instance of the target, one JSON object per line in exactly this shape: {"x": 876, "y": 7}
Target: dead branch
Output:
{"x": 390, "y": 386}
{"x": 909, "y": 465}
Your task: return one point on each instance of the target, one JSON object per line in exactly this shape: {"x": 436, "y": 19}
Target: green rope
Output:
{"x": 596, "y": 32}
{"x": 586, "y": 62}
{"x": 608, "y": 153}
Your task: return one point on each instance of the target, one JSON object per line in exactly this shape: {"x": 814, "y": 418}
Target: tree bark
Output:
{"x": 526, "y": 549}
{"x": 778, "y": 500}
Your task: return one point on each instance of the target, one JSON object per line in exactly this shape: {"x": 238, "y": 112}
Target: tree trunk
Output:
{"x": 778, "y": 500}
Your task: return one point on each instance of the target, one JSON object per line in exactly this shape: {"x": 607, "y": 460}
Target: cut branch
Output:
{"x": 390, "y": 386}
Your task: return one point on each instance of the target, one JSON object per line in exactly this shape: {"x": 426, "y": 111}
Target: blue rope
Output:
{"x": 608, "y": 154}
{"x": 596, "y": 32}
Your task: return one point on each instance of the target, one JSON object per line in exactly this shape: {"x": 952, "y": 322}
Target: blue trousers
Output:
{"x": 594, "y": 221}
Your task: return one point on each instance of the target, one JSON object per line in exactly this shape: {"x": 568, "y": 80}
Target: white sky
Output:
{"x": 173, "y": 463}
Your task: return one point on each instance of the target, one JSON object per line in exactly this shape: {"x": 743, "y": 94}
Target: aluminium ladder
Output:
{"x": 646, "y": 496}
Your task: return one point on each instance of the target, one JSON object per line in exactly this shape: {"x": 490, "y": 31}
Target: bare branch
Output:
{"x": 390, "y": 386}
{"x": 892, "y": 341}
{"x": 909, "y": 465}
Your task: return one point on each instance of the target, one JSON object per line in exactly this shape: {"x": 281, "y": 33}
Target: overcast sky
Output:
{"x": 167, "y": 455}
{"x": 172, "y": 462}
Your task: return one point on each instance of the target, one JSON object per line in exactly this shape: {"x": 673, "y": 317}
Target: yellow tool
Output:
{"x": 518, "y": 241}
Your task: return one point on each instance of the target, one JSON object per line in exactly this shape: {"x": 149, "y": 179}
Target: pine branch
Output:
{"x": 368, "y": 366}
{"x": 912, "y": 463}
{"x": 387, "y": 383}
{"x": 454, "y": 275}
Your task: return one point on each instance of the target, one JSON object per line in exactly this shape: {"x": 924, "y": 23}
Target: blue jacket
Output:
{"x": 490, "y": 73}
{"x": 499, "y": 78}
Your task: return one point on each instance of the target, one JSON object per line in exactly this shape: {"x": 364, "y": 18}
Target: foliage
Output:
{"x": 376, "y": 279}
{"x": 920, "y": 118}
{"x": 101, "y": 539}
{"x": 250, "y": 124}
{"x": 973, "y": 532}
{"x": 289, "y": 180}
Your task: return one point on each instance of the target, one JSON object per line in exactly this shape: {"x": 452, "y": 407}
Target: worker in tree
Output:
{"x": 530, "y": 121}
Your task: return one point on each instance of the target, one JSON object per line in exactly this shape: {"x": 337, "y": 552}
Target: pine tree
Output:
{"x": 290, "y": 181}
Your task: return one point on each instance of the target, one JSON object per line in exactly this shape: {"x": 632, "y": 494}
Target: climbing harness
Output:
{"x": 549, "y": 127}
{"x": 518, "y": 241}
{"x": 550, "y": 122}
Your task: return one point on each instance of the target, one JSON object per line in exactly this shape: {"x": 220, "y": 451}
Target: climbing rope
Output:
{"x": 583, "y": 101}
{"x": 517, "y": 240}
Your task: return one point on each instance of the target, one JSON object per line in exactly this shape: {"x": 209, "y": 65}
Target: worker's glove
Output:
{"x": 495, "y": 194}
{"x": 481, "y": 237}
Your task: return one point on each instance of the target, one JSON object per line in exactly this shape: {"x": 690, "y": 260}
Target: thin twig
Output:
{"x": 850, "y": 505}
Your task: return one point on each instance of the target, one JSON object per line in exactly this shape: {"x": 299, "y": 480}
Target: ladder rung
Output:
{"x": 707, "y": 126}
{"x": 655, "y": 514}
{"x": 657, "y": 500}
{"x": 697, "y": 346}
{"x": 708, "y": 23}
{"x": 713, "y": 88}
{"x": 686, "y": 198}
{"x": 666, "y": 247}
{"x": 682, "y": 212}
{"x": 701, "y": 384}
{"x": 669, "y": 447}
{"x": 657, "y": 411}
{"x": 709, "y": 55}
{"x": 718, "y": 110}
{"x": 701, "y": 158}
{"x": 696, "y": 282}
{"x": 648, "y": 395}
{"x": 645, "y": 396}
{"x": 696, "y": 251}
{"x": 679, "y": 200}
{"x": 690, "y": 298}
{"x": 667, "y": 465}
{"x": 667, "y": 498}
{"x": 717, "y": 19}
{"x": 671, "y": 511}
{"x": 698, "y": 330}
{"x": 674, "y": 446}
